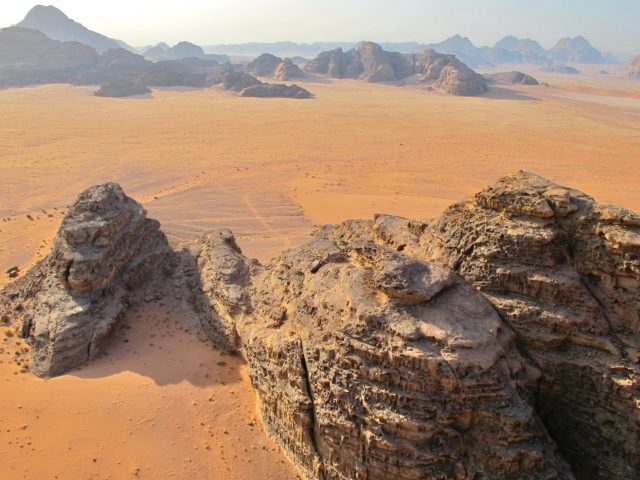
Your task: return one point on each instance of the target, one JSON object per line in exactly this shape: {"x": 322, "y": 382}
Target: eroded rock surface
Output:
{"x": 564, "y": 272}
{"x": 288, "y": 70}
{"x": 372, "y": 364}
{"x": 70, "y": 302}
{"x": 369, "y": 62}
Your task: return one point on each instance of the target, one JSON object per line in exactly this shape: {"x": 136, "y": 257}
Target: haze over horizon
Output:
{"x": 610, "y": 26}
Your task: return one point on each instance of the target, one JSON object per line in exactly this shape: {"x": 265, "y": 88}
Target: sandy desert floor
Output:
{"x": 163, "y": 404}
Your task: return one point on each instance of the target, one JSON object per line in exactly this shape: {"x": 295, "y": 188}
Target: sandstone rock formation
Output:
{"x": 271, "y": 90}
{"x": 238, "y": 81}
{"x": 28, "y": 57}
{"x": 123, "y": 87}
{"x": 564, "y": 272}
{"x": 264, "y": 66}
{"x": 634, "y": 68}
{"x": 372, "y": 364}
{"x": 288, "y": 70}
{"x": 70, "y": 302}
{"x": 369, "y": 62}
{"x": 372, "y": 355}
{"x": 249, "y": 86}
{"x": 512, "y": 50}
{"x": 511, "y": 78}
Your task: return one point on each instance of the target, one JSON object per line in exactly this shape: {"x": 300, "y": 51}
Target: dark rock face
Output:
{"x": 264, "y": 66}
{"x": 57, "y": 26}
{"x": 123, "y": 87}
{"x": 370, "y": 363}
{"x": 105, "y": 249}
{"x": 577, "y": 50}
{"x": 288, "y": 70}
{"x": 512, "y": 78}
{"x": 28, "y": 57}
{"x": 369, "y": 62}
{"x": 565, "y": 274}
{"x": 270, "y": 90}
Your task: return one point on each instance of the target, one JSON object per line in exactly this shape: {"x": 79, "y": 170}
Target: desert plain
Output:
{"x": 163, "y": 403}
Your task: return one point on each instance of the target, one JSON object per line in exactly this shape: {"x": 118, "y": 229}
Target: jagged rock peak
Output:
{"x": 105, "y": 249}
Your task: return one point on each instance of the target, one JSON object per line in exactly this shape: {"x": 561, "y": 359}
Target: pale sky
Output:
{"x": 611, "y": 25}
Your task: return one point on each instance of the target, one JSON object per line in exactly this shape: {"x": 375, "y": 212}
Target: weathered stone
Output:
{"x": 105, "y": 249}
{"x": 565, "y": 274}
{"x": 369, "y": 363}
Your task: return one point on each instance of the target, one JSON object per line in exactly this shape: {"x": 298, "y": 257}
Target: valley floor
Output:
{"x": 162, "y": 403}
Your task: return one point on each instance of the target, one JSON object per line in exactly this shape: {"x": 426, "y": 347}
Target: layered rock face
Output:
{"x": 564, "y": 272}
{"x": 70, "y": 302}
{"x": 371, "y": 364}
{"x": 369, "y": 62}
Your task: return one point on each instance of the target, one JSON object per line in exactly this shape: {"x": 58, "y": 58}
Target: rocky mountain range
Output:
{"x": 369, "y": 62}
{"x": 509, "y": 50}
{"x": 497, "y": 341}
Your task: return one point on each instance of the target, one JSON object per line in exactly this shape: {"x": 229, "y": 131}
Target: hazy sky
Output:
{"x": 611, "y": 25}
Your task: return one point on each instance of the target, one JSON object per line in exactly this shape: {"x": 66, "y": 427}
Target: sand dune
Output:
{"x": 270, "y": 170}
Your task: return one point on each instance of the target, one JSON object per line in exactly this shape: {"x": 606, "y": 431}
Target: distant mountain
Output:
{"x": 575, "y": 50}
{"x": 513, "y": 50}
{"x": 463, "y": 48}
{"x": 57, "y": 26}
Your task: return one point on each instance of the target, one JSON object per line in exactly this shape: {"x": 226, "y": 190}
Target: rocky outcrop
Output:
{"x": 249, "y": 86}
{"x": 271, "y": 90}
{"x": 57, "y": 26}
{"x": 71, "y": 301}
{"x": 575, "y": 50}
{"x": 562, "y": 69}
{"x": 28, "y": 57}
{"x": 370, "y": 363}
{"x": 288, "y": 70}
{"x": 511, "y": 78}
{"x": 264, "y": 66}
{"x": 633, "y": 70}
{"x": 369, "y": 62}
{"x": 238, "y": 81}
{"x": 564, "y": 272}
{"x": 123, "y": 87}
